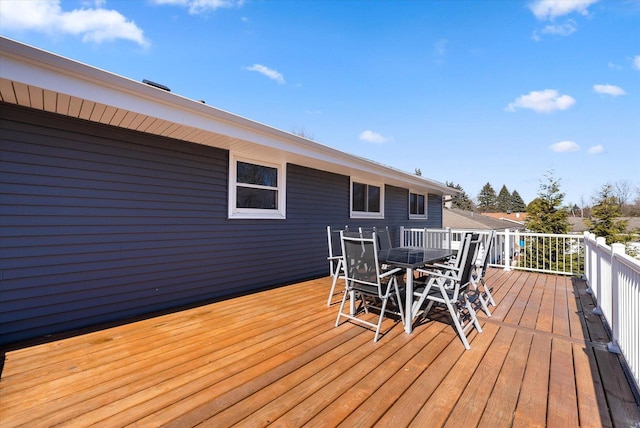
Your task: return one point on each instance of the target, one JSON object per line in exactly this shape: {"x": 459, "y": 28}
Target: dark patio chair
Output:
{"x": 448, "y": 285}
{"x": 336, "y": 261}
{"x": 477, "y": 275}
{"x": 384, "y": 238}
{"x": 368, "y": 286}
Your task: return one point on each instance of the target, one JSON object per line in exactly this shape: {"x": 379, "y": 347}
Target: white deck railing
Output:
{"x": 612, "y": 276}
{"x": 538, "y": 252}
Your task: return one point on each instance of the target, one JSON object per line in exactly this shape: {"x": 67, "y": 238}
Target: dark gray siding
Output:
{"x": 98, "y": 224}
{"x": 434, "y": 211}
{"x": 396, "y": 213}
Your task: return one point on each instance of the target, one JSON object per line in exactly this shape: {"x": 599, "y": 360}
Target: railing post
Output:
{"x": 587, "y": 261}
{"x": 616, "y": 248}
{"x": 449, "y": 237}
{"x": 507, "y": 251}
{"x": 600, "y": 241}
{"x": 402, "y": 236}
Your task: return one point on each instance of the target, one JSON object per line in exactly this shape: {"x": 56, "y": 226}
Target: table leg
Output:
{"x": 408, "y": 303}
{"x": 352, "y": 302}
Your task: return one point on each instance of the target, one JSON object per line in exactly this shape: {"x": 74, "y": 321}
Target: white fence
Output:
{"x": 538, "y": 252}
{"x": 614, "y": 279}
{"x": 612, "y": 276}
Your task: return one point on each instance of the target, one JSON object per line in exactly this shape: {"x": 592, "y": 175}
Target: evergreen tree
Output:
{"x": 463, "y": 201}
{"x": 545, "y": 213}
{"x": 487, "y": 199}
{"x": 603, "y": 217}
{"x": 503, "y": 201}
{"x": 517, "y": 203}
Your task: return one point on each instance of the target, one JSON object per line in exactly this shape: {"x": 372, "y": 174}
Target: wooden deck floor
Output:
{"x": 275, "y": 357}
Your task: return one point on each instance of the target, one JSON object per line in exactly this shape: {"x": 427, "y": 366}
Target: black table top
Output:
{"x": 413, "y": 257}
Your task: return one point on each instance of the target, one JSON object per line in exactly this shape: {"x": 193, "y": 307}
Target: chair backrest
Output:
{"x": 461, "y": 256}
{"x": 484, "y": 262}
{"x": 366, "y": 232}
{"x": 333, "y": 239}
{"x": 361, "y": 261}
{"x": 472, "y": 243}
{"x": 384, "y": 238}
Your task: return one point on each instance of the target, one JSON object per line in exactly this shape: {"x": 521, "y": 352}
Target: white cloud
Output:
{"x": 565, "y": 29}
{"x": 551, "y": 9}
{"x": 607, "y": 89}
{"x": 271, "y": 74}
{"x": 202, "y": 6}
{"x": 614, "y": 66}
{"x": 636, "y": 62}
{"x": 92, "y": 24}
{"x": 545, "y": 101}
{"x": 564, "y": 147}
{"x": 596, "y": 150}
{"x": 96, "y": 3}
{"x": 372, "y": 137}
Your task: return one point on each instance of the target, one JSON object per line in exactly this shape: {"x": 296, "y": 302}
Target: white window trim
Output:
{"x": 364, "y": 214}
{"x": 426, "y": 205}
{"x": 256, "y": 213}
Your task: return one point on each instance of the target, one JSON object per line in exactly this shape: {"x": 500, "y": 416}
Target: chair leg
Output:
{"x": 399, "y": 302}
{"x": 472, "y": 313}
{"x": 382, "y": 309}
{"x": 483, "y": 303}
{"x": 340, "y": 314}
{"x": 336, "y": 275}
{"x": 487, "y": 291}
{"x": 456, "y": 321}
{"x": 418, "y": 303}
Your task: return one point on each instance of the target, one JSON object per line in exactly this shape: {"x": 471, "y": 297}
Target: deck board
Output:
{"x": 276, "y": 358}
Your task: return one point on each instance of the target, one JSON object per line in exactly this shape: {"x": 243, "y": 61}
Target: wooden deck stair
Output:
{"x": 275, "y": 357}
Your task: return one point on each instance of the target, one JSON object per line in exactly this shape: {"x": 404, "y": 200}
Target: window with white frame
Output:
{"x": 367, "y": 200}
{"x": 256, "y": 189}
{"x": 417, "y": 205}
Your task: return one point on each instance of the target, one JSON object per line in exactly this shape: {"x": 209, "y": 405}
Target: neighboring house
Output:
{"x": 456, "y": 218}
{"x": 119, "y": 199}
{"x": 518, "y": 218}
{"x": 578, "y": 224}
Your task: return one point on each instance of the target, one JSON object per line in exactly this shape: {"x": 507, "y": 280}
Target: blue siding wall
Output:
{"x": 98, "y": 224}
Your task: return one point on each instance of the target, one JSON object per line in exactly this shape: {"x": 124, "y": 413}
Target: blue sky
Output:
{"x": 468, "y": 91}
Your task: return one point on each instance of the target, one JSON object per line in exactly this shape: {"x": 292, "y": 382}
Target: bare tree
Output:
{"x": 622, "y": 190}
{"x": 301, "y": 132}
{"x": 583, "y": 205}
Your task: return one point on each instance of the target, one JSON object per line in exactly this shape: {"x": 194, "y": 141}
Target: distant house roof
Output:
{"x": 514, "y": 217}
{"x": 41, "y": 80}
{"x": 578, "y": 225}
{"x": 456, "y": 218}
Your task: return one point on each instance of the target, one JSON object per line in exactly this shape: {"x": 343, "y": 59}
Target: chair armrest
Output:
{"x": 391, "y": 272}
{"x": 437, "y": 273}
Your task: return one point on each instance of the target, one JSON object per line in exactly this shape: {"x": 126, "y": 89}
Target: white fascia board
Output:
{"x": 32, "y": 66}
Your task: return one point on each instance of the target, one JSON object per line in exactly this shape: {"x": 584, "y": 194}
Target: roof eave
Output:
{"x": 41, "y": 70}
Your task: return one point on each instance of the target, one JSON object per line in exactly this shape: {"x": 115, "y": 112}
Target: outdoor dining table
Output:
{"x": 411, "y": 258}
